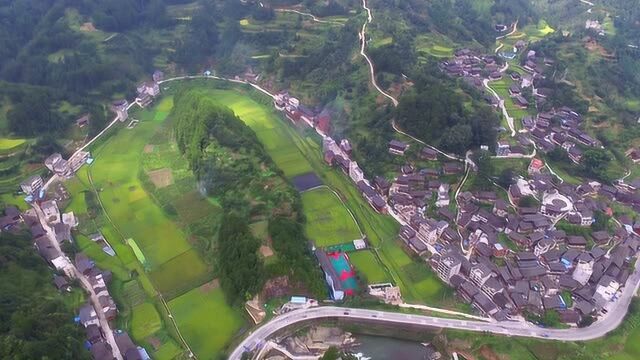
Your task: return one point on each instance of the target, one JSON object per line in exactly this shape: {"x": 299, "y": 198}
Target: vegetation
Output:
{"x": 436, "y": 113}
{"x": 232, "y": 164}
{"x": 328, "y": 221}
{"x": 240, "y": 268}
{"x": 286, "y": 235}
{"x": 34, "y": 317}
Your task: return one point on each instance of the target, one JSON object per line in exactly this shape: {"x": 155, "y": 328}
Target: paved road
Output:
{"x": 72, "y": 270}
{"x": 600, "y": 328}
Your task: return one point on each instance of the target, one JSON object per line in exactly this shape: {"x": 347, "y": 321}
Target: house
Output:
{"x": 373, "y": 198}
{"x": 583, "y": 271}
{"x": 576, "y": 242}
{"x": 94, "y": 335}
{"x": 78, "y": 159}
{"x": 32, "y": 185}
{"x": 605, "y": 291}
{"x": 102, "y": 351}
{"x": 479, "y": 274}
{"x": 331, "y": 276}
{"x": 514, "y": 90}
{"x": 83, "y": 263}
{"x": 633, "y": 154}
{"x": 468, "y": 290}
{"x": 61, "y": 283}
{"x": 535, "y": 166}
{"x": 397, "y": 147}
{"x": 83, "y": 121}
{"x": 521, "y": 102}
{"x": 448, "y": 266}
{"x": 428, "y": 153}
{"x": 355, "y": 173}
{"x": 58, "y": 165}
{"x": 157, "y": 76}
{"x": 500, "y": 208}
{"x": 127, "y": 348}
{"x": 503, "y": 148}
{"x": 88, "y": 315}
{"x": 483, "y": 303}
{"x": 51, "y": 211}
{"x": 496, "y": 75}
{"x": 120, "y": 107}
{"x": 329, "y": 157}
{"x": 143, "y": 100}
{"x": 451, "y": 168}
{"x": 323, "y": 126}
{"x": 443, "y": 196}
{"x": 600, "y": 237}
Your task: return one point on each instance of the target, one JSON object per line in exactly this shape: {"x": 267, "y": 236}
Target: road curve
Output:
{"x": 610, "y": 321}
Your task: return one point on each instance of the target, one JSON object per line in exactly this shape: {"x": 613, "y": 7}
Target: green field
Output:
{"x": 8, "y": 144}
{"x": 366, "y": 263}
{"x": 145, "y": 321}
{"x": 137, "y": 208}
{"x": 206, "y": 321}
{"x": 132, "y": 209}
{"x": 328, "y": 221}
{"x": 272, "y": 134}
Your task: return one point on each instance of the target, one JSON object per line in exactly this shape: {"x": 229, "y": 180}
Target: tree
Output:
{"x": 457, "y": 139}
{"x": 600, "y": 221}
{"x": 333, "y": 353}
{"x": 35, "y": 322}
{"x": 527, "y": 201}
{"x": 595, "y": 163}
{"x": 506, "y": 178}
{"x": 484, "y": 163}
{"x": 559, "y": 154}
{"x": 240, "y": 267}
{"x": 550, "y": 318}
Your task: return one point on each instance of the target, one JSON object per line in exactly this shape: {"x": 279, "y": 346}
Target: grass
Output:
{"x": 328, "y": 221}
{"x": 206, "y": 321}
{"x": 145, "y": 321}
{"x": 8, "y": 144}
{"x": 368, "y": 265}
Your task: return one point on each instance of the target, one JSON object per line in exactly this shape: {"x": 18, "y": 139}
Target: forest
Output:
{"x": 35, "y": 319}
{"x": 231, "y": 163}
{"x": 434, "y": 111}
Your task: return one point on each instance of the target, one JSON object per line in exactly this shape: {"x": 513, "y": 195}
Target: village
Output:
{"x": 51, "y": 229}
{"x": 506, "y": 259}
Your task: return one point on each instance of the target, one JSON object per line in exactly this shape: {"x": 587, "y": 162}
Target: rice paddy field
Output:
{"x": 434, "y": 45}
{"x": 368, "y": 265}
{"x": 206, "y": 320}
{"x": 328, "y": 221}
{"x": 163, "y": 260}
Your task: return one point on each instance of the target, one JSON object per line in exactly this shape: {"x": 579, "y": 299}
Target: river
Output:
{"x": 382, "y": 348}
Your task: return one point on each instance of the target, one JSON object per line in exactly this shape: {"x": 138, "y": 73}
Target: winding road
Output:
{"x": 313, "y": 17}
